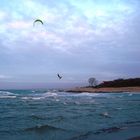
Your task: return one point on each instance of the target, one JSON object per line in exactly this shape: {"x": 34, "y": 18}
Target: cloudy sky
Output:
{"x": 79, "y": 39}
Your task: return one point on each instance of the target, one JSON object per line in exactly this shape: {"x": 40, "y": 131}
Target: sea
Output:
{"x": 54, "y": 115}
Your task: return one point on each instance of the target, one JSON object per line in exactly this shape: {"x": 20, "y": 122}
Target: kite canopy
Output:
{"x": 38, "y": 20}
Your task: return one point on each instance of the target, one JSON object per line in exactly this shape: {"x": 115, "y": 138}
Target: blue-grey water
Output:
{"x": 52, "y": 115}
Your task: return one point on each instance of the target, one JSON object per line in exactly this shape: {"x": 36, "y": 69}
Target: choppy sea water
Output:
{"x": 52, "y": 115}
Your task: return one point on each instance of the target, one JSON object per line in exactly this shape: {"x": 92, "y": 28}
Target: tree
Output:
{"x": 92, "y": 82}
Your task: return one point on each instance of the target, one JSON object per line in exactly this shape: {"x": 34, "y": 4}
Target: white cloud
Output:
{"x": 71, "y": 40}
{"x": 2, "y": 15}
{"x": 19, "y": 25}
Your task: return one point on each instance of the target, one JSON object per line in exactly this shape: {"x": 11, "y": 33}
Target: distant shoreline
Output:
{"x": 104, "y": 90}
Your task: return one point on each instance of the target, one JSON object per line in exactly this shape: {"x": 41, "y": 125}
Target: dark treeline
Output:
{"x": 121, "y": 83}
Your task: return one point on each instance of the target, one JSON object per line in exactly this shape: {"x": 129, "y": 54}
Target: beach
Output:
{"x": 104, "y": 90}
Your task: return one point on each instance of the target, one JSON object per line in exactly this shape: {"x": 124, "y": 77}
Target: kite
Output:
{"x": 38, "y": 20}
{"x": 59, "y": 76}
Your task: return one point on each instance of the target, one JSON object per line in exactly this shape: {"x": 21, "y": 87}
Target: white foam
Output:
{"x": 6, "y": 93}
{"x": 6, "y": 96}
{"x": 118, "y": 108}
{"x": 37, "y": 98}
{"x": 32, "y": 98}
{"x": 50, "y": 94}
{"x": 33, "y": 91}
{"x": 130, "y": 94}
{"x": 57, "y": 100}
{"x": 40, "y": 96}
{"x": 77, "y": 103}
{"x": 91, "y": 94}
{"x": 25, "y": 98}
{"x": 64, "y": 103}
{"x": 105, "y": 114}
{"x": 120, "y": 96}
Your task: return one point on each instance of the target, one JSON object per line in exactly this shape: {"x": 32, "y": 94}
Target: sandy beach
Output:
{"x": 104, "y": 90}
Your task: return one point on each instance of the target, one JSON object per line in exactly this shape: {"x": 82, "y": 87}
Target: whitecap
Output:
{"x": 118, "y": 108}
{"x": 57, "y": 100}
{"x": 64, "y": 103}
{"x": 105, "y": 114}
{"x": 50, "y": 94}
{"x": 37, "y": 98}
{"x": 81, "y": 94}
{"x": 77, "y": 103}
{"x": 32, "y": 98}
{"x": 6, "y": 96}
{"x": 130, "y": 94}
{"x": 25, "y": 98}
{"x": 33, "y": 91}
{"x": 6, "y": 93}
{"x": 120, "y": 96}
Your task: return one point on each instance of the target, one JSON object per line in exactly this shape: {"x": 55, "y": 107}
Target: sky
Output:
{"x": 79, "y": 39}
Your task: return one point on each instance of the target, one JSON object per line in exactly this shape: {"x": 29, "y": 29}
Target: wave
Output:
{"x": 6, "y": 93}
{"x": 32, "y": 98}
{"x": 6, "y": 96}
{"x": 134, "y": 138}
{"x": 39, "y": 96}
{"x": 132, "y": 122}
{"x": 82, "y": 94}
{"x": 104, "y": 130}
{"x": 25, "y": 98}
{"x": 105, "y": 114}
{"x": 110, "y": 130}
{"x": 50, "y": 94}
{"x": 35, "y": 117}
{"x": 116, "y": 128}
{"x": 43, "y": 129}
{"x": 62, "y": 95}
{"x": 82, "y": 136}
{"x": 36, "y": 98}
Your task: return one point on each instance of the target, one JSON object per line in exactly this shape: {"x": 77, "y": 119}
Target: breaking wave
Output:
{"x": 7, "y": 94}
{"x": 2, "y": 97}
